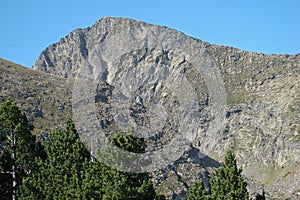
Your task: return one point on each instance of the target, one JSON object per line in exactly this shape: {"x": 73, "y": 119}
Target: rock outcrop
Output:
{"x": 241, "y": 100}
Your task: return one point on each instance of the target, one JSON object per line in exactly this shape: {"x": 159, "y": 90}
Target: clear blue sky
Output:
{"x": 267, "y": 26}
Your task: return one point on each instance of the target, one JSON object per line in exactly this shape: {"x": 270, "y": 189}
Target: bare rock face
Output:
{"x": 168, "y": 84}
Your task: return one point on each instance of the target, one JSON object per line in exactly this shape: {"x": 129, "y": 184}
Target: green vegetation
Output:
{"x": 227, "y": 183}
{"x": 60, "y": 175}
{"x": 18, "y": 149}
{"x": 197, "y": 192}
{"x": 125, "y": 185}
{"x": 62, "y": 168}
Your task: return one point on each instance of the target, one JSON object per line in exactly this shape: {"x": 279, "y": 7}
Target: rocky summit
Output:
{"x": 170, "y": 87}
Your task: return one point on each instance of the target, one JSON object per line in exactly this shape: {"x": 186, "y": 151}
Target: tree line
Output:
{"x": 62, "y": 168}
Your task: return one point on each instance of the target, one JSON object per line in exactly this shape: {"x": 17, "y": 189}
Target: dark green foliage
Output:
{"x": 160, "y": 197}
{"x": 228, "y": 183}
{"x": 125, "y": 185}
{"x": 6, "y": 182}
{"x": 64, "y": 174}
{"x": 197, "y": 192}
{"x": 18, "y": 149}
{"x": 63, "y": 168}
{"x": 69, "y": 173}
{"x": 92, "y": 181}
{"x": 128, "y": 142}
{"x": 120, "y": 152}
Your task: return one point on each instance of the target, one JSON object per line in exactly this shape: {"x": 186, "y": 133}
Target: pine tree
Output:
{"x": 125, "y": 185}
{"x": 18, "y": 149}
{"x": 92, "y": 182}
{"x": 64, "y": 174}
{"x": 70, "y": 173}
{"x": 197, "y": 191}
{"x": 228, "y": 183}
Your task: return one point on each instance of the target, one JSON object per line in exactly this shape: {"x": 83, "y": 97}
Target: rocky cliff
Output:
{"x": 168, "y": 83}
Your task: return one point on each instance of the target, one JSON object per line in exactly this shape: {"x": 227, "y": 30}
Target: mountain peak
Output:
{"x": 259, "y": 92}
{"x": 62, "y": 57}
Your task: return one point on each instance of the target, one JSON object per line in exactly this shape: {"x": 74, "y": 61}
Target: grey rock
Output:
{"x": 154, "y": 65}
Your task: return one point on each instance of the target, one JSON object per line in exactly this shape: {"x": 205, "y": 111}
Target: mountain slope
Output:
{"x": 259, "y": 108}
{"x": 44, "y": 98}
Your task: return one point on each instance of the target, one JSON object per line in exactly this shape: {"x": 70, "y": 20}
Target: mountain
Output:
{"x": 44, "y": 98}
{"x": 168, "y": 86}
